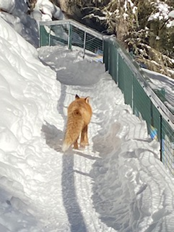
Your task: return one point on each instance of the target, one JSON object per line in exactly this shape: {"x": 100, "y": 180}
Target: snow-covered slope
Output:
{"x": 15, "y": 12}
{"x": 115, "y": 184}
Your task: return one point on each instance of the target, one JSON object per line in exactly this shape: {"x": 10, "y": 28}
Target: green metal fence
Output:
{"x": 142, "y": 99}
{"x": 125, "y": 72}
{"x": 70, "y": 33}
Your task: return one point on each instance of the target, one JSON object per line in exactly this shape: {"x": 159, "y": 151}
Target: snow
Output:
{"x": 27, "y": 25}
{"x": 7, "y": 5}
{"x": 163, "y": 13}
{"x": 162, "y": 83}
{"x": 44, "y": 10}
{"x": 18, "y": 18}
{"x": 171, "y": 14}
{"x": 115, "y": 184}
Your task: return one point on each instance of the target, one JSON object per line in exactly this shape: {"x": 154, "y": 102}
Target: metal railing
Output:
{"x": 70, "y": 33}
{"x": 142, "y": 99}
{"x": 126, "y": 73}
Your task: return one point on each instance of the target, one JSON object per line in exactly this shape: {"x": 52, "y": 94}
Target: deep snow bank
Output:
{"x": 16, "y": 13}
{"x": 26, "y": 99}
{"x": 27, "y": 91}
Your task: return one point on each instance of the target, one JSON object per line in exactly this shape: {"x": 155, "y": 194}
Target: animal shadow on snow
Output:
{"x": 69, "y": 195}
{"x": 53, "y": 136}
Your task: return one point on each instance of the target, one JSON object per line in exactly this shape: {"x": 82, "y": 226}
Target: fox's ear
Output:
{"x": 77, "y": 97}
{"x": 87, "y": 99}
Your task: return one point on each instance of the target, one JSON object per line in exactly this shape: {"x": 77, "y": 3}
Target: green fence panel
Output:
{"x": 58, "y": 34}
{"x": 128, "y": 88}
{"x": 155, "y": 126}
{"x": 125, "y": 80}
{"x": 93, "y": 44}
{"x": 110, "y": 59}
{"x": 168, "y": 146}
{"x": 106, "y": 54}
{"x": 53, "y": 35}
{"x": 121, "y": 73}
{"x": 113, "y": 62}
{"x": 44, "y": 36}
{"x": 141, "y": 103}
{"x": 77, "y": 37}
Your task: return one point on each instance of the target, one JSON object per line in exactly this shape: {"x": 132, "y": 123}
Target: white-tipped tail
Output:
{"x": 65, "y": 147}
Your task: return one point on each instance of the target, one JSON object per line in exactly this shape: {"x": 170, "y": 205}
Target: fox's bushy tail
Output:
{"x": 74, "y": 127}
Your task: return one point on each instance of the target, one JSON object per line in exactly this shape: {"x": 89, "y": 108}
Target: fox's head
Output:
{"x": 86, "y": 99}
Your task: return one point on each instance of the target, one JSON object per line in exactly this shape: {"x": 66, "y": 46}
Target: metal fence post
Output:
{"x": 132, "y": 102}
{"x": 161, "y": 139}
{"x": 70, "y": 36}
{"x": 49, "y": 36}
{"x": 84, "y": 44}
{"x": 117, "y": 71}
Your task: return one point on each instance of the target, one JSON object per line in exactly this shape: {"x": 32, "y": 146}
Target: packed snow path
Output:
{"x": 105, "y": 187}
{"x": 115, "y": 184}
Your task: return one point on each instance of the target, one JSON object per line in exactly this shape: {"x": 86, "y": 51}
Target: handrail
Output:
{"x": 74, "y": 23}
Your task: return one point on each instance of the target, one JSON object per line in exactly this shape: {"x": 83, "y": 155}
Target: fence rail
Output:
{"x": 125, "y": 72}
{"x": 70, "y": 33}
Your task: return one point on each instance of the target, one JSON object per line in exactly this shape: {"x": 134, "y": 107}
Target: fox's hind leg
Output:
{"x": 84, "y": 137}
{"x": 76, "y": 143}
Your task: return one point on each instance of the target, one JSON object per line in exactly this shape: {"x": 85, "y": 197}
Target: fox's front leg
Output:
{"x": 84, "y": 137}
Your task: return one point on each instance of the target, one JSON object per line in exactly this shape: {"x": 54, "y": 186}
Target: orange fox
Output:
{"x": 79, "y": 116}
